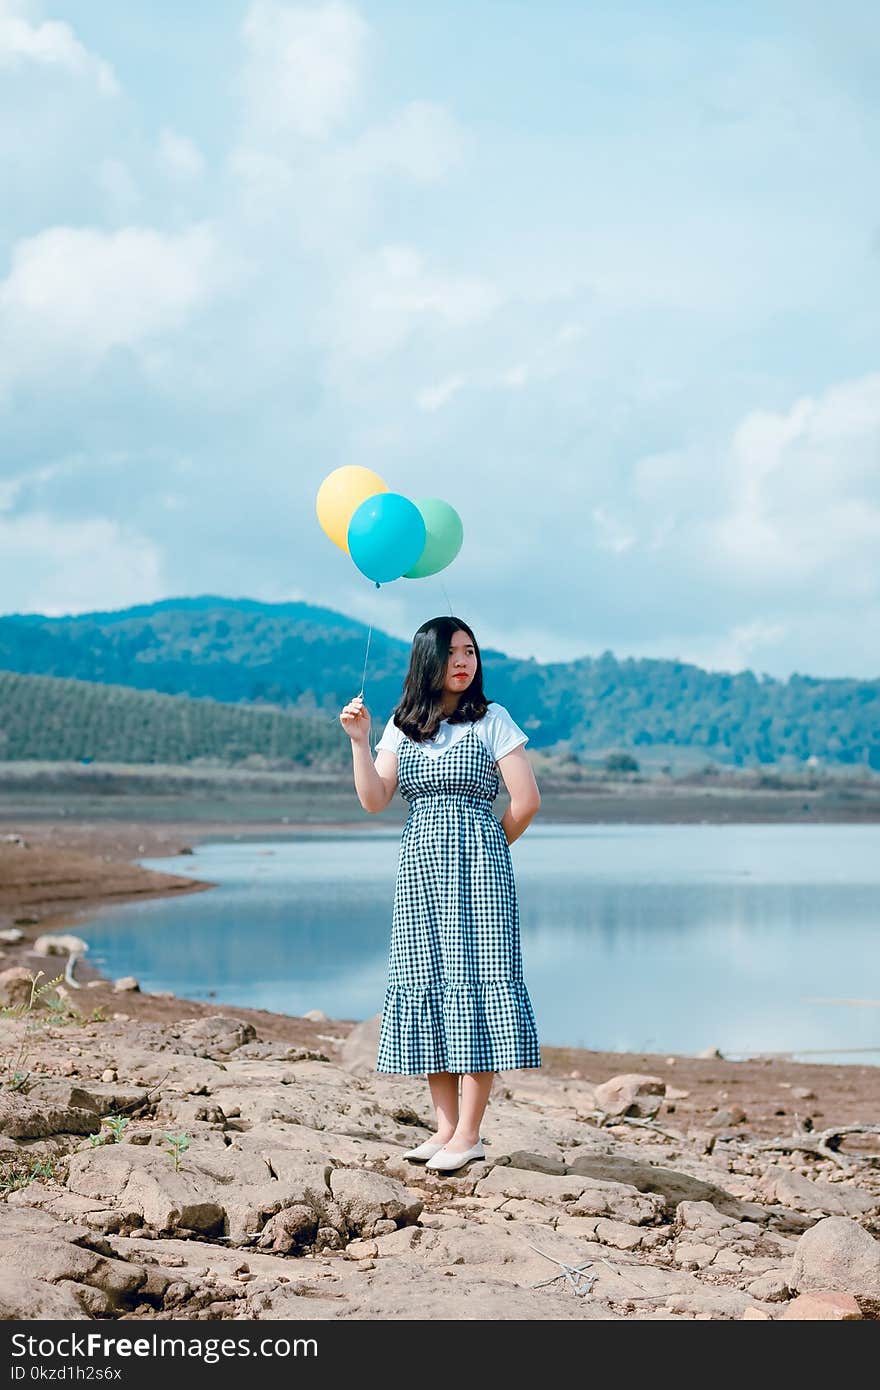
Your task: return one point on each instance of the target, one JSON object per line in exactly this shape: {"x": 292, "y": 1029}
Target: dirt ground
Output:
{"x": 67, "y": 869}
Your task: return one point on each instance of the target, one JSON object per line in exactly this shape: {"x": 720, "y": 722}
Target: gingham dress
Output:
{"x": 456, "y": 1000}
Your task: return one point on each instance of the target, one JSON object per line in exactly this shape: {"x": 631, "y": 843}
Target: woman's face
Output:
{"x": 461, "y": 666}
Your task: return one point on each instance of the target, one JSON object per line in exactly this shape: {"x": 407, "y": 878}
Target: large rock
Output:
{"x": 215, "y": 1036}
{"x": 674, "y": 1186}
{"x": 25, "y": 1299}
{"x": 103, "y": 1097}
{"x": 22, "y": 1117}
{"x": 631, "y": 1094}
{"x": 837, "y": 1254}
{"x": 366, "y": 1198}
{"x": 53, "y": 1253}
{"x": 579, "y": 1196}
{"x": 143, "y": 1181}
{"x": 238, "y": 1193}
{"x": 803, "y": 1194}
{"x": 701, "y": 1218}
{"x": 823, "y": 1306}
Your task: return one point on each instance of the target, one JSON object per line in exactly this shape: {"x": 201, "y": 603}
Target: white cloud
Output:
{"x": 742, "y": 648}
{"x": 392, "y": 292}
{"x": 789, "y": 504}
{"x": 179, "y": 157}
{"x": 422, "y": 142}
{"x": 303, "y": 65}
{"x": 435, "y": 397}
{"x": 12, "y": 488}
{"x": 55, "y": 567}
{"x": 49, "y": 44}
{"x": 804, "y": 491}
{"x": 82, "y": 291}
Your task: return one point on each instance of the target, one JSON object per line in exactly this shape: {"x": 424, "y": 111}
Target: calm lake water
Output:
{"x": 635, "y": 938}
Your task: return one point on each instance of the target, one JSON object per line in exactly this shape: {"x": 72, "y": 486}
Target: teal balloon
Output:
{"x": 444, "y": 534}
{"x": 386, "y": 536}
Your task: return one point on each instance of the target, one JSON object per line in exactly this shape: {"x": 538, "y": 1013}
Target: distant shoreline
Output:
{"x": 291, "y": 805}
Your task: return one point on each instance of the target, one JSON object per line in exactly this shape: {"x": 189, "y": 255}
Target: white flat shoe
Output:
{"x": 446, "y": 1162}
{"x": 424, "y": 1151}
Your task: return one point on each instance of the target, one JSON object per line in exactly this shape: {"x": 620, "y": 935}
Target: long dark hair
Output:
{"x": 420, "y": 709}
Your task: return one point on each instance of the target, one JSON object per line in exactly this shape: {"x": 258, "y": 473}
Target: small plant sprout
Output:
{"x": 17, "y": 1076}
{"x": 17, "y": 1172}
{"x": 177, "y": 1146}
{"x": 116, "y": 1124}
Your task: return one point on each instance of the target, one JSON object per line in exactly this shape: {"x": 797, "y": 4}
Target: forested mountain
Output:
{"x": 299, "y": 659}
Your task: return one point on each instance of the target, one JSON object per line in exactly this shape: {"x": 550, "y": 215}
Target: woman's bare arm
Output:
{"x": 375, "y": 783}
{"x": 525, "y": 798}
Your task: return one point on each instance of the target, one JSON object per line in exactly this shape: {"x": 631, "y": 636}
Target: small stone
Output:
{"x": 125, "y": 983}
{"x": 68, "y": 1068}
{"x": 710, "y": 1052}
{"x": 756, "y": 1315}
{"x": 109, "y": 1075}
{"x": 316, "y": 1016}
{"x": 770, "y": 1287}
{"x": 803, "y": 1093}
{"x": 631, "y": 1094}
{"x": 728, "y": 1117}
{"x": 362, "y": 1250}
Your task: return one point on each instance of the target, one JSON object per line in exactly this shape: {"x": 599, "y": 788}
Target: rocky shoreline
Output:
{"x": 164, "y": 1159}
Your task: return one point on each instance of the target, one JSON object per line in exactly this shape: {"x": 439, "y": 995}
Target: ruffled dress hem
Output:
{"x": 485, "y": 1025}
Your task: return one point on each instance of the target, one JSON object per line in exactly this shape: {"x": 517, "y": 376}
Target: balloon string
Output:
{"x": 443, "y": 587}
{"x": 364, "y": 675}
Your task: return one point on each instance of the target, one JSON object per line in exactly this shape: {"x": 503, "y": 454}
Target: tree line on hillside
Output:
{"x": 47, "y": 718}
{"x": 298, "y": 658}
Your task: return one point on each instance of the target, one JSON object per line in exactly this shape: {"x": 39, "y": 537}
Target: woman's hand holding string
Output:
{"x": 355, "y": 720}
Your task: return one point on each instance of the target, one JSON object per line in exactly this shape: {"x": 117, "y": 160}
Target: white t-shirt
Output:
{"x": 497, "y": 730}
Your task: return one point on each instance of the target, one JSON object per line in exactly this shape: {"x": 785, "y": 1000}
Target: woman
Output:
{"x": 456, "y": 1003}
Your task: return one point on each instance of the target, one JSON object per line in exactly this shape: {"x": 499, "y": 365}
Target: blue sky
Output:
{"x": 604, "y": 277}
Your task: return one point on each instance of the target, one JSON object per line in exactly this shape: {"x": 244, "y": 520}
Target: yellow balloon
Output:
{"x": 339, "y": 497}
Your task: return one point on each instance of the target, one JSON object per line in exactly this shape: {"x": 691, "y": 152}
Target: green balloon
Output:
{"x": 444, "y": 534}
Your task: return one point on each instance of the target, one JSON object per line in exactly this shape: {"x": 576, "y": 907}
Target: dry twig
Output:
{"x": 575, "y": 1275}
{"x": 822, "y": 1144}
{"x": 603, "y": 1120}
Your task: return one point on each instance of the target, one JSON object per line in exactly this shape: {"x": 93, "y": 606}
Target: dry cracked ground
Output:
{"x": 288, "y": 1196}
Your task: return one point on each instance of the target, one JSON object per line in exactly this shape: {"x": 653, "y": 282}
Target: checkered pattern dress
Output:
{"x": 456, "y": 1000}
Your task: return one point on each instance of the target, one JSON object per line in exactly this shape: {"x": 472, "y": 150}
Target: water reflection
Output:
{"x": 661, "y": 938}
